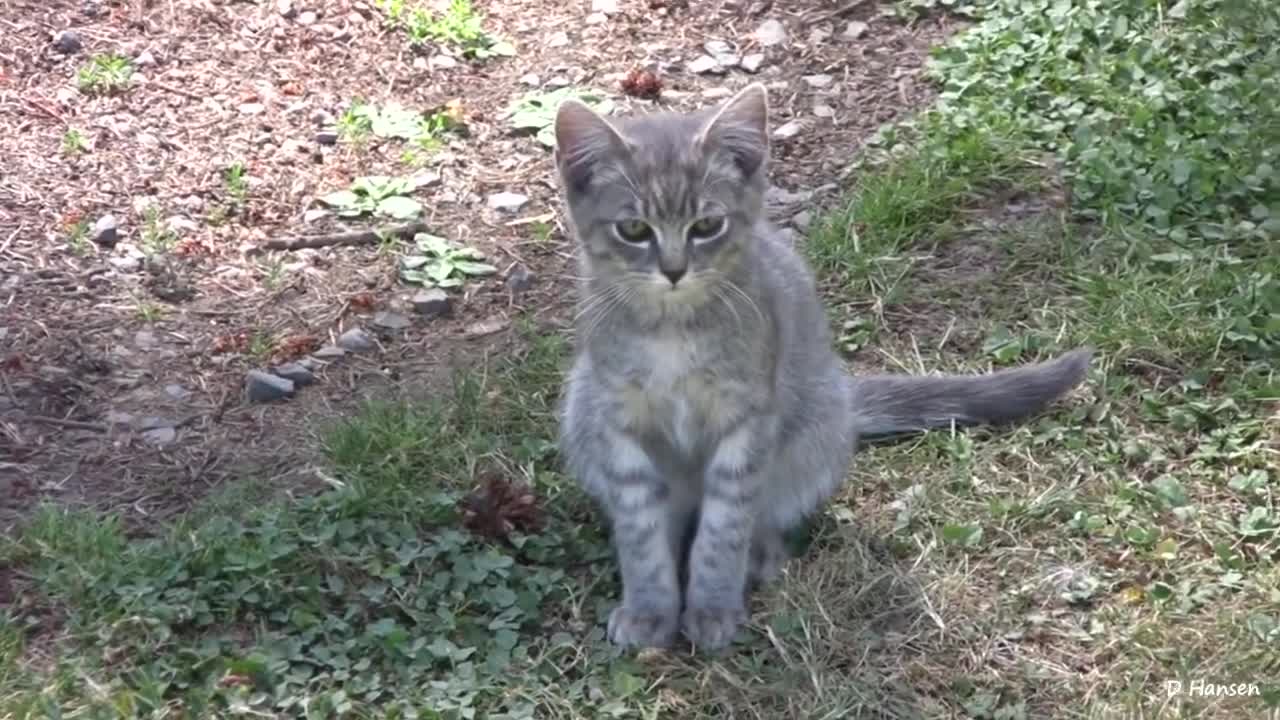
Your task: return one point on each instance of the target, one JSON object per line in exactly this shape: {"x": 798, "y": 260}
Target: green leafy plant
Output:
{"x": 440, "y": 263}
{"x": 157, "y": 236}
{"x": 536, "y": 111}
{"x": 104, "y": 75}
{"x": 377, "y": 194}
{"x": 74, "y": 143}
{"x": 459, "y": 26}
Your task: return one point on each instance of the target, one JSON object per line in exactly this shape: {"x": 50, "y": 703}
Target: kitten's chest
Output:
{"x": 683, "y": 391}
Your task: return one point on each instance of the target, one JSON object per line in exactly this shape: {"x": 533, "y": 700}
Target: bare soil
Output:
{"x": 99, "y": 358}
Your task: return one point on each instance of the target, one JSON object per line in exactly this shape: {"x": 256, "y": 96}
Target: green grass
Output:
{"x": 1065, "y": 568}
{"x": 104, "y": 75}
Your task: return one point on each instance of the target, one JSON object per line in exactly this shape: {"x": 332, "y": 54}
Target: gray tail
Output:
{"x": 890, "y": 404}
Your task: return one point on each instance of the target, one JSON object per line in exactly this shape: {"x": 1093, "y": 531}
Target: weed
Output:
{"x": 536, "y": 111}
{"x": 441, "y": 264}
{"x": 459, "y": 26}
{"x": 235, "y": 184}
{"x": 377, "y": 194}
{"x": 104, "y": 75}
{"x": 157, "y": 236}
{"x": 74, "y": 143}
{"x": 78, "y": 238}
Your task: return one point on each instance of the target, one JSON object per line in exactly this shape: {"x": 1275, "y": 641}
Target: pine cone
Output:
{"x": 500, "y": 507}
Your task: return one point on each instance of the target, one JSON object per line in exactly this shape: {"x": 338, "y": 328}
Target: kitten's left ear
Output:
{"x": 740, "y": 128}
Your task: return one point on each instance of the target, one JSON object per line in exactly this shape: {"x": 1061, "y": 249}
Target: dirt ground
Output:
{"x": 123, "y": 379}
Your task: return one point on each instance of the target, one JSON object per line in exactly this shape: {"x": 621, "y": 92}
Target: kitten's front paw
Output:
{"x": 643, "y": 627}
{"x": 712, "y": 628}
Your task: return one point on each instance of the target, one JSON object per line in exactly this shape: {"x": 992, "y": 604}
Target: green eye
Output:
{"x": 706, "y": 228}
{"x": 633, "y": 231}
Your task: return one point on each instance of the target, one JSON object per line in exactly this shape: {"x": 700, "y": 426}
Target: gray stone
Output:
{"x": 788, "y": 130}
{"x": 608, "y": 7}
{"x": 520, "y": 279}
{"x": 327, "y": 137}
{"x": 802, "y": 220}
{"x": 818, "y": 81}
{"x": 68, "y": 42}
{"x": 286, "y": 9}
{"x": 753, "y": 62}
{"x": 144, "y": 59}
{"x": 252, "y": 108}
{"x": 265, "y": 387}
{"x": 432, "y": 303}
{"x": 508, "y": 201}
{"x": 771, "y": 32}
{"x": 115, "y": 418}
{"x": 145, "y": 340}
{"x": 128, "y": 263}
{"x": 355, "y": 340}
{"x": 322, "y": 117}
{"x": 854, "y": 30}
{"x": 442, "y": 62}
{"x": 388, "y": 320}
{"x": 296, "y": 373}
{"x": 307, "y": 18}
{"x": 106, "y": 231}
{"x": 160, "y": 436}
{"x": 531, "y": 79}
{"x": 717, "y": 47}
{"x": 596, "y": 19}
{"x": 705, "y": 64}
{"x": 329, "y": 352}
{"x": 177, "y": 392}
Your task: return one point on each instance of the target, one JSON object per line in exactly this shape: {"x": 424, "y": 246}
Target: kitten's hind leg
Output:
{"x": 768, "y": 555}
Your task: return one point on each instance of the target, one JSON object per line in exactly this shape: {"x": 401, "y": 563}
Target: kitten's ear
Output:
{"x": 583, "y": 141}
{"x": 740, "y": 128}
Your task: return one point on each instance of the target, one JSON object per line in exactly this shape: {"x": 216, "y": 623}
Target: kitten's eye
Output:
{"x": 707, "y": 228}
{"x": 633, "y": 231}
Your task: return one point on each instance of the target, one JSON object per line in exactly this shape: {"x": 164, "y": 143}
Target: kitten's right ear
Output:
{"x": 583, "y": 141}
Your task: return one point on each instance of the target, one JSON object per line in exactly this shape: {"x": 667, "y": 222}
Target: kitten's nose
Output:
{"x": 673, "y": 274}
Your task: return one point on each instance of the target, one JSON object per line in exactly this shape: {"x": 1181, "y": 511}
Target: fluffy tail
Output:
{"x": 889, "y": 404}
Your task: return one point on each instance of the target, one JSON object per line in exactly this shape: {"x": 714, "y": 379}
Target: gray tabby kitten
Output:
{"x": 706, "y": 409}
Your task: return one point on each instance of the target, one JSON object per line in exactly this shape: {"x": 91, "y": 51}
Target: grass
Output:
{"x": 1070, "y": 567}
{"x": 104, "y": 75}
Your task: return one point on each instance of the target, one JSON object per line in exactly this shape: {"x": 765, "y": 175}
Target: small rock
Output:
{"x": 322, "y": 117}
{"x": 307, "y": 18}
{"x": 531, "y": 79}
{"x": 313, "y": 215}
{"x": 753, "y": 62}
{"x": 160, "y": 436}
{"x": 329, "y": 352}
{"x": 355, "y": 340}
{"x": 487, "y": 326}
{"x": 286, "y": 9}
{"x": 717, "y": 47}
{"x": 520, "y": 279}
{"x": 705, "y": 64}
{"x": 115, "y": 418}
{"x": 716, "y": 93}
{"x": 507, "y": 201}
{"x": 265, "y": 387}
{"x": 558, "y": 39}
{"x": 106, "y": 232}
{"x": 296, "y": 373}
{"x": 854, "y": 30}
{"x": 177, "y": 392}
{"x": 327, "y": 137}
{"x": 442, "y": 62}
{"x": 252, "y": 109}
{"x": 608, "y": 7}
{"x": 391, "y": 321}
{"x": 144, "y": 59}
{"x": 802, "y": 220}
{"x": 824, "y": 111}
{"x": 788, "y": 130}
{"x": 596, "y": 19}
{"x": 818, "y": 81}
{"x": 126, "y": 264}
{"x": 432, "y": 303}
{"x": 68, "y": 42}
{"x": 770, "y": 33}
{"x": 145, "y": 340}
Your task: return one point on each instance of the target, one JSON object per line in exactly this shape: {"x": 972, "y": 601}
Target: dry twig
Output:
{"x": 356, "y": 237}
